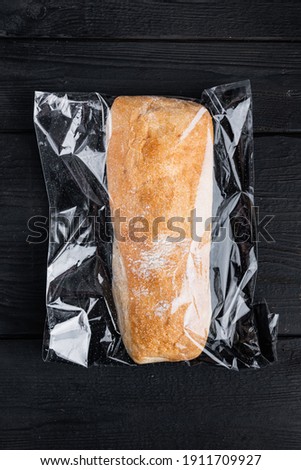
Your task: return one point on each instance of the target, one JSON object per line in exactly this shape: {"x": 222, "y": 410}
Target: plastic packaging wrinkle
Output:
{"x": 176, "y": 289}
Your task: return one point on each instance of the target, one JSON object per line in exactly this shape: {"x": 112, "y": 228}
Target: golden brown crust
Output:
{"x": 160, "y": 161}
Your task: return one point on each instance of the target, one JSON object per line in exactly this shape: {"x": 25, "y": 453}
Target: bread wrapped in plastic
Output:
{"x": 159, "y": 166}
{"x": 176, "y": 281}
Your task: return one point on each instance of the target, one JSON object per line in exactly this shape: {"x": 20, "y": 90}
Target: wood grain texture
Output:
{"x": 23, "y": 265}
{"x": 277, "y": 193}
{"x": 136, "y": 19}
{"x": 53, "y": 406}
{"x": 151, "y": 68}
{"x": 195, "y": 44}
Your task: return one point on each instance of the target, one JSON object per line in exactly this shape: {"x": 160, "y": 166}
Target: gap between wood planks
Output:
{"x": 146, "y": 39}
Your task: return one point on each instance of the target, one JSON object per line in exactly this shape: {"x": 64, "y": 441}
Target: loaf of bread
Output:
{"x": 160, "y": 170}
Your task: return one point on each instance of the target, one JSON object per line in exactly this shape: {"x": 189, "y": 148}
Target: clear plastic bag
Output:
{"x": 165, "y": 299}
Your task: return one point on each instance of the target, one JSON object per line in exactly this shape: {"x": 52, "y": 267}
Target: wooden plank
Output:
{"x": 277, "y": 190}
{"x": 22, "y": 270}
{"x": 55, "y": 406}
{"x": 151, "y": 68}
{"x": 194, "y": 19}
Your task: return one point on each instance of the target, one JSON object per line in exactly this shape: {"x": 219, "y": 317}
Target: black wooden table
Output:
{"x": 148, "y": 47}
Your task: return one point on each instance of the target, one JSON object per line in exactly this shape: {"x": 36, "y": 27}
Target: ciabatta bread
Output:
{"x": 160, "y": 165}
